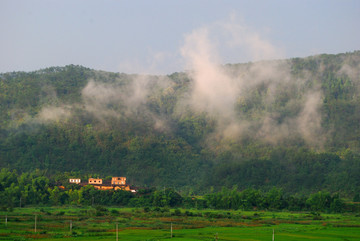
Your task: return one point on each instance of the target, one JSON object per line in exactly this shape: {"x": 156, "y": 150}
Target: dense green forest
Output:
{"x": 291, "y": 124}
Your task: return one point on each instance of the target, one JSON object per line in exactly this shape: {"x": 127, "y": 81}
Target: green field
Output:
{"x": 53, "y": 223}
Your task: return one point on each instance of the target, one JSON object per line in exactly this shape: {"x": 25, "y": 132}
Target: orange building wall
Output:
{"x": 118, "y": 181}
{"x": 126, "y": 188}
{"x": 104, "y": 187}
{"x": 95, "y": 181}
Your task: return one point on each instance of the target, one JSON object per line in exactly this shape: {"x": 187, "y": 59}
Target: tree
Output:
{"x": 319, "y": 201}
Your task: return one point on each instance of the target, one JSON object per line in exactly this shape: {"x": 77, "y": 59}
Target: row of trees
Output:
{"x": 35, "y": 189}
{"x": 275, "y": 199}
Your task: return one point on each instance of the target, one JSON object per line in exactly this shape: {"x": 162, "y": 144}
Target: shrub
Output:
{"x": 177, "y": 212}
{"x": 115, "y": 212}
{"x": 61, "y": 213}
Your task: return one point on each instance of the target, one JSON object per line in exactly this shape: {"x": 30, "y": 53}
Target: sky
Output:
{"x": 149, "y": 36}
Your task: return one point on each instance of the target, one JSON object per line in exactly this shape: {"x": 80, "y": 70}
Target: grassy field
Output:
{"x": 85, "y": 223}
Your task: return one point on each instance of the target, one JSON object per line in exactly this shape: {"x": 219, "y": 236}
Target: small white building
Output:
{"x": 75, "y": 180}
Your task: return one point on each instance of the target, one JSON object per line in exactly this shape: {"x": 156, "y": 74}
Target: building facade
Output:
{"x": 75, "y": 180}
{"x": 97, "y": 181}
{"x": 118, "y": 181}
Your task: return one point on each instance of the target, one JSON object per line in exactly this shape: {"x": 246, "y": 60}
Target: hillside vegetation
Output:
{"x": 293, "y": 124}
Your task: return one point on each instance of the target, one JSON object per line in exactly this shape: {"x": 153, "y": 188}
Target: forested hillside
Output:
{"x": 293, "y": 124}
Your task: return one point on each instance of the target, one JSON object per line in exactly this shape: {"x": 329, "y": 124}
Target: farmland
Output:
{"x": 99, "y": 223}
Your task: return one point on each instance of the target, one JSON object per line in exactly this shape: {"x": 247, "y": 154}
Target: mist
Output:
{"x": 261, "y": 99}
{"x": 220, "y": 92}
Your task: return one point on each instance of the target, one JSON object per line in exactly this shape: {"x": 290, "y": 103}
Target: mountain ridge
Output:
{"x": 263, "y": 124}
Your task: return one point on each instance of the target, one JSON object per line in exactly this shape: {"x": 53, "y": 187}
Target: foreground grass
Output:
{"x": 139, "y": 224}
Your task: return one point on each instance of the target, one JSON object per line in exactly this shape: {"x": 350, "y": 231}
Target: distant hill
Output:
{"x": 293, "y": 123}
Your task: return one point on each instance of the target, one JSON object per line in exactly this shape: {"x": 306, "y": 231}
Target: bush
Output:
{"x": 177, "y": 212}
{"x": 188, "y": 213}
{"x": 61, "y": 213}
{"x": 114, "y": 212}
{"x": 101, "y": 209}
